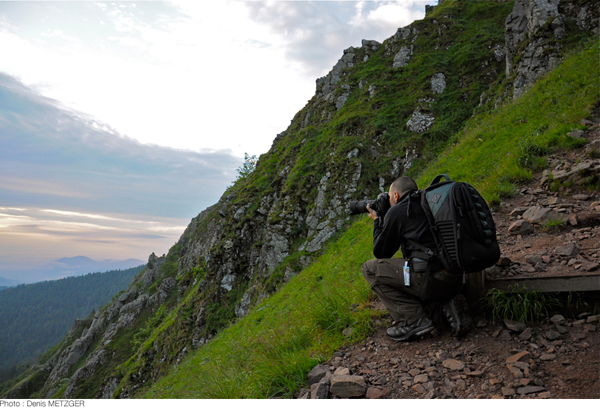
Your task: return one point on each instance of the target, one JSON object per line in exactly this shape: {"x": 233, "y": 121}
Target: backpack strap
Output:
{"x": 438, "y": 178}
{"x": 416, "y": 246}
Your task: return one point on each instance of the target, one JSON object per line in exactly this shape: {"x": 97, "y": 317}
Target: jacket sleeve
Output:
{"x": 386, "y": 236}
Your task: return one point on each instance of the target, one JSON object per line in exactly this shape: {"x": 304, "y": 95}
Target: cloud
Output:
{"x": 72, "y": 185}
{"x": 315, "y": 33}
{"x": 53, "y": 155}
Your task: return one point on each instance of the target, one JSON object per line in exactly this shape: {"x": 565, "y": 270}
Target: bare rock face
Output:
{"x": 541, "y": 22}
{"x": 438, "y": 83}
{"x": 420, "y": 121}
{"x": 72, "y": 354}
{"x": 327, "y": 85}
{"x": 93, "y": 363}
{"x": 402, "y": 57}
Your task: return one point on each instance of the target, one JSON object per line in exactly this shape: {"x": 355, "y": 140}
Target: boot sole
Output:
{"x": 417, "y": 333}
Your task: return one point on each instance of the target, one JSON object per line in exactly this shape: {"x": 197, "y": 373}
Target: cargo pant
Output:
{"x": 386, "y": 278}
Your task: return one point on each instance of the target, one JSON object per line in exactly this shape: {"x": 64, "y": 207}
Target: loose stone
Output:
{"x": 508, "y": 391}
{"x": 348, "y": 386}
{"x": 525, "y": 390}
{"x": 378, "y": 393}
{"x": 453, "y": 364}
{"x": 317, "y": 373}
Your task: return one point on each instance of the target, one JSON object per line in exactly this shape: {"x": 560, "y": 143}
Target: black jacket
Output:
{"x": 404, "y": 221}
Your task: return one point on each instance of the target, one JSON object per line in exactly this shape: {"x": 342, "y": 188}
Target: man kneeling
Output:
{"x": 407, "y": 296}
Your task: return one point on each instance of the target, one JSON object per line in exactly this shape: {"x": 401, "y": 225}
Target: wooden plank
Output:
{"x": 475, "y": 287}
{"x": 548, "y": 284}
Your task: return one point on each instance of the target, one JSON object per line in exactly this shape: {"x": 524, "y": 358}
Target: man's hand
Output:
{"x": 372, "y": 213}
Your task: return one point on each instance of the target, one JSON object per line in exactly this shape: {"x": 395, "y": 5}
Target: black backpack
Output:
{"x": 462, "y": 226}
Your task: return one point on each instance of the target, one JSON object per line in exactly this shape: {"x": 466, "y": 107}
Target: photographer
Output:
{"x": 400, "y": 283}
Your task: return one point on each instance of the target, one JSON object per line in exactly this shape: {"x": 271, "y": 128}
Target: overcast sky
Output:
{"x": 120, "y": 121}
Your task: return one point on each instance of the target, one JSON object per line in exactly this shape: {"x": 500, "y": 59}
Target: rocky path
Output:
{"x": 550, "y": 228}
{"x": 559, "y": 359}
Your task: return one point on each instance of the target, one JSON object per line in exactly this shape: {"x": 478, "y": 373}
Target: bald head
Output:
{"x": 401, "y": 186}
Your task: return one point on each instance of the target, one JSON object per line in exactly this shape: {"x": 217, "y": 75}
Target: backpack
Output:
{"x": 462, "y": 225}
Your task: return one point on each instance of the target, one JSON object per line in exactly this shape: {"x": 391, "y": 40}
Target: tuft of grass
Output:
{"x": 553, "y": 225}
{"x": 519, "y": 305}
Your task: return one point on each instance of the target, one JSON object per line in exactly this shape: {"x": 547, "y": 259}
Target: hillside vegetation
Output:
{"x": 267, "y": 282}
{"x": 35, "y": 317}
{"x": 269, "y": 352}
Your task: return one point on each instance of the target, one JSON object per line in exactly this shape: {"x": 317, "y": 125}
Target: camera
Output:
{"x": 381, "y": 205}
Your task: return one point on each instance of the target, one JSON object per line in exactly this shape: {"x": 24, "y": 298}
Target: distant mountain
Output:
{"x": 5, "y": 282}
{"x": 64, "y": 267}
{"x": 81, "y": 265}
{"x": 37, "y": 316}
{"x": 74, "y": 261}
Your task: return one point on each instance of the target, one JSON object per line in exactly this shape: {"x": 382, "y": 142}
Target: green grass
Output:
{"x": 500, "y": 149}
{"x": 269, "y": 352}
{"x": 519, "y": 305}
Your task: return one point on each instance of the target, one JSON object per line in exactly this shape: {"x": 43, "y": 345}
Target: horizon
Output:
{"x": 115, "y": 118}
{"x": 65, "y": 267}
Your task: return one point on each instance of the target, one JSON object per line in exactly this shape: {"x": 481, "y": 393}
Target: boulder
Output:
{"x": 402, "y": 57}
{"x": 518, "y": 211}
{"x": 533, "y": 259}
{"x": 348, "y": 386}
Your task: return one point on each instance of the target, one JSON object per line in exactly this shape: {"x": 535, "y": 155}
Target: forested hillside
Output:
{"x": 35, "y": 317}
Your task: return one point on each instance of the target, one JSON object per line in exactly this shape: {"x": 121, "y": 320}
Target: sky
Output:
{"x": 120, "y": 121}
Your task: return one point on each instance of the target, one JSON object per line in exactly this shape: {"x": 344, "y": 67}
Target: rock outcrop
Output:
{"x": 534, "y": 31}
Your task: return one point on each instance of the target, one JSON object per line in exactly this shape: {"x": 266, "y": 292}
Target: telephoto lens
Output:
{"x": 381, "y": 205}
{"x": 360, "y": 206}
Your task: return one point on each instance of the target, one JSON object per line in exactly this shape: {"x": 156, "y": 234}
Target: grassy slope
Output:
{"x": 498, "y": 149}
{"x": 269, "y": 352}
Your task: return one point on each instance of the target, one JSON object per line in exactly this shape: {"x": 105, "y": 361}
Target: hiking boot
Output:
{"x": 455, "y": 312}
{"x": 416, "y": 329}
